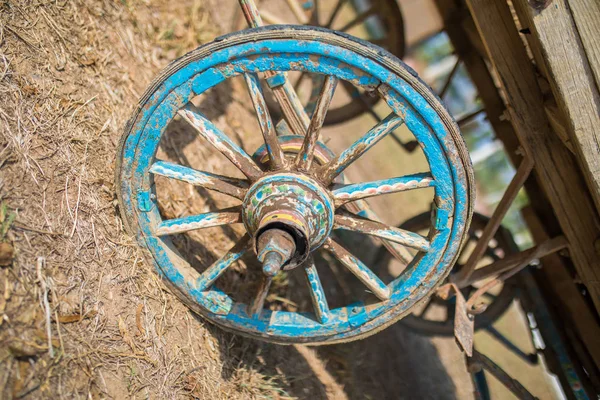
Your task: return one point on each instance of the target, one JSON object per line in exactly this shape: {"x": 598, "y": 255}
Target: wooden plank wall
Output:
{"x": 564, "y": 48}
{"x": 557, "y": 171}
{"x": 565, "y": 123}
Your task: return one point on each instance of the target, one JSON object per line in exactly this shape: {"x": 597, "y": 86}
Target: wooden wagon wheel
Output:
{"x": 290, "y": 203}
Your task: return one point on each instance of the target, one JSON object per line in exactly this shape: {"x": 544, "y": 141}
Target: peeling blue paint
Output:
{"x": 308, "y": 54}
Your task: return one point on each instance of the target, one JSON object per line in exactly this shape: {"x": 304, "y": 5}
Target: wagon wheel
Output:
{"x": 290, "y": 205}
{"x": 429, "y": 321}
{"x": 377, "y": 21}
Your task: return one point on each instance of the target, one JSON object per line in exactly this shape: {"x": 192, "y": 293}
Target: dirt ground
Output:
{"x": 82, "y": 314}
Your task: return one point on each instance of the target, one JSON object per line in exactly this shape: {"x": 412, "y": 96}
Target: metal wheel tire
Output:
{"x": 283, "y": 48}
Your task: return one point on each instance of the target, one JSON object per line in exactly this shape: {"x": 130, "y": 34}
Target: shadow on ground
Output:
{"x": 393, "y": 364}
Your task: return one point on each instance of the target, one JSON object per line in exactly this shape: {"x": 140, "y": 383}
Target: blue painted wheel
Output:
{"x": 293, "y": 195}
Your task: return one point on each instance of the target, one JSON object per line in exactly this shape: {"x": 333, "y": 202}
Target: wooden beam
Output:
{"x": 586, "y": 14}
{"x": 557, "y": 171}
{"x": 463, "y": 34}
{"x": 554, "y": 33}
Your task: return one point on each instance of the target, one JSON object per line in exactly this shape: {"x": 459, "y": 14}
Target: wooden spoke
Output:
{"x": 317, "y": 293}
{"x": 360, "y": 147}
{"x": 305, "y": 156}
{"x": 360, "y": 18}
{"x": 276, "y": 156}
{"x": 298, "y": 12}
{"x": 352, "y": 192}
{"x": 200, "y": 221}
{"x": 449, "y": 78}
{"x": 335, "y": 12}
{"x": 360, "y": 270}
{"x": 300, "y": 79}
{"x": 259, "y": 301}
{"x": 270, "y": 18}
{"x": 357, "y": 224}
{"x": 223, "y": 184}
{"x": 222, "y": 142}
{"x": 400, "y": 252}
{"x": 213, "y": 272}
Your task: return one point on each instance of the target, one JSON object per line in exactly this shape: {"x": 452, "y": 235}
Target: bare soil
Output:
{"x": 82, "y": 314}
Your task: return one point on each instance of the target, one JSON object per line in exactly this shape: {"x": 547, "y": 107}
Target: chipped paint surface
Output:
{"x": 358, "y": 148}
{"x": 296, "y": 194}
{"x": 222, "y": 142}
{"x": 292, "y": 144}
{"x": 303, "y": 51}
{"x": 224, "y": 184}
{"x": 317, "y": 294}
{"x": 276, "y": 156}
{"x": 363, "y": 190}
{"x": 200, "y": 221}
{"x": 396, "y": 235}
{"x": 211, "y": 274}
{"x": 360, "y": 270}
{"x": 305, "y": 156}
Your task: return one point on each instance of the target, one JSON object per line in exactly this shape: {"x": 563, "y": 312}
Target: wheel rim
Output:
{"x": 384, "y": 27}
{"x": 232, "y": 56}
{"x": 504, "y": 244}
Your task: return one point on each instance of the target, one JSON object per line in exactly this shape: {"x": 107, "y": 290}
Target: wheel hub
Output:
{"x": 293, "y": 203}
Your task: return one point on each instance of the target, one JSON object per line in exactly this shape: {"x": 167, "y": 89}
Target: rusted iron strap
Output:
{"x": 464, "y": 325}
{"x": 506, "y": 267}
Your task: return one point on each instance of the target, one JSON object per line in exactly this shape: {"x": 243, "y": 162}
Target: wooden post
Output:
{"x": 558, "y": 44}
{"x": 556, "y": 170}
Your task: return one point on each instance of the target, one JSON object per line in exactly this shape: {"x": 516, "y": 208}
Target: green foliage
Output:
{"x": 7, "y": 217}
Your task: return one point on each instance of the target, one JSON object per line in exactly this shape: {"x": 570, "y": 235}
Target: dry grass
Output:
{"x": 82, "y": 316}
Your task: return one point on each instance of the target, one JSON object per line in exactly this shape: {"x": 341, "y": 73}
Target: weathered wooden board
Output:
{"x": 555, "y": 34}
{"x": 586, "y": 14}
{"x": 461, "y": 30}
{"x": 555, "y": 167}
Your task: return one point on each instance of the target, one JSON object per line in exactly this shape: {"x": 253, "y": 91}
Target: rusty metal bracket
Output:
{"x": 478, "y": 361}
{"x": 464, "y": 325}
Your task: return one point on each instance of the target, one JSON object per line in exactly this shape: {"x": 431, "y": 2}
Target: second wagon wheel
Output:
{"x": 436, "y": 316}
{"x": 290, "y": 196}
{"x": 377, "y": 21}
